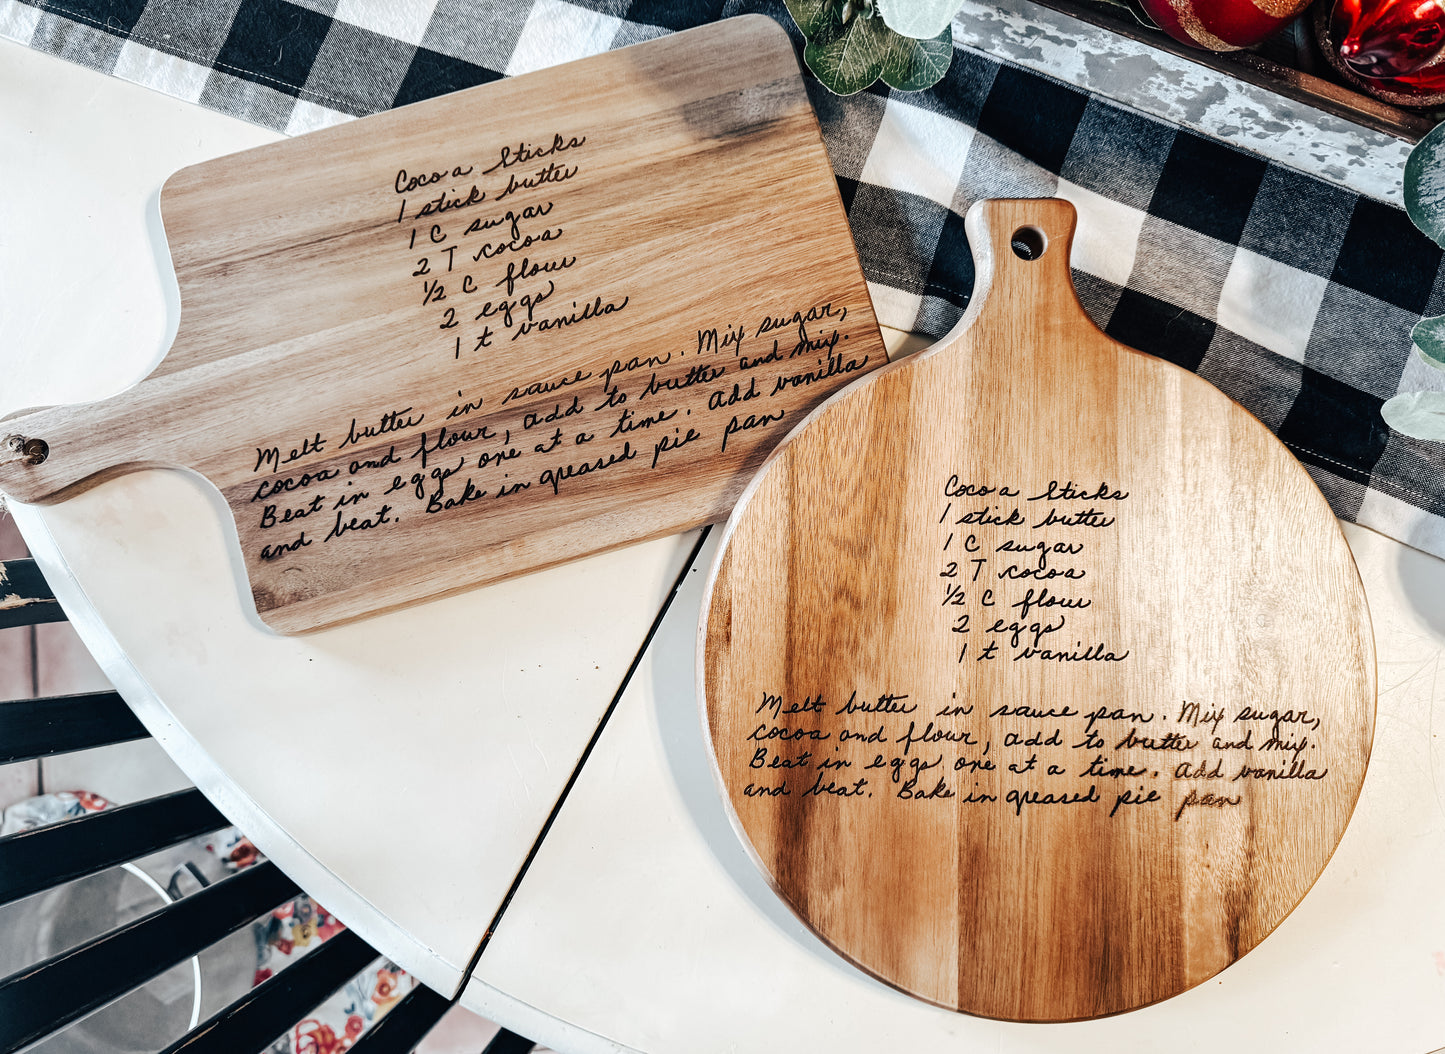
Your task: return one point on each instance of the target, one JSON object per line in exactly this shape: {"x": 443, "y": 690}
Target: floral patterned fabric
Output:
{"x": 291, "y": 931}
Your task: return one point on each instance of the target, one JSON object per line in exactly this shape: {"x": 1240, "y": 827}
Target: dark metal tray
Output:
{"x": 1290, "y": 63}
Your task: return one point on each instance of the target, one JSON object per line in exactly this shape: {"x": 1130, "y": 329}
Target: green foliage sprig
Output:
{"x": 1422, "y": 414}
{"x": 851, "y": 43}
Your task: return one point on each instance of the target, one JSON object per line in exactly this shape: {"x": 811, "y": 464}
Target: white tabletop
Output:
{"x": 402, "y": 768}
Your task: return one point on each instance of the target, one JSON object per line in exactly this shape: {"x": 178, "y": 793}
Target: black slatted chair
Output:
{"x": 42, "y": 999}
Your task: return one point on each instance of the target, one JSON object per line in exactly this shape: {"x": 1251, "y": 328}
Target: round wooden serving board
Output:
{"x": 1037, "y": 672}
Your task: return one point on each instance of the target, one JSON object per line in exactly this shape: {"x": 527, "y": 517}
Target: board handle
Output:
{"x": 1021, "y": 249}
{"x": 48, "y": 455}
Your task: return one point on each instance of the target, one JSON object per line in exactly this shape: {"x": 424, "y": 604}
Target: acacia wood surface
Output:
{"x": 481, "y": 335}
{"x": 1038, "y": 674}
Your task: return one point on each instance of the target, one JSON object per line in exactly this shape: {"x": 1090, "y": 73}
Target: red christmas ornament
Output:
{"x": 1222, "y": 25}
{"x": 1395, "y": 49}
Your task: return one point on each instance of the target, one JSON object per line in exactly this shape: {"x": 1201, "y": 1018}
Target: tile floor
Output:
{"x": 51, "y": 660}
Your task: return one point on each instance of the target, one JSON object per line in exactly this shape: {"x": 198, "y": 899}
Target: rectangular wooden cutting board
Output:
{"x": 488, "y": 333}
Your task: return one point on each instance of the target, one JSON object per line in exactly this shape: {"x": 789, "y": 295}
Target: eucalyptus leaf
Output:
{"x": 1425, "y": 184}
{"x": 912, "y": 65}
{"x": 919, "y": 19}
{"x": 1420, "y": 415}
{"x": 1429, "y": 337}
{"x": 849, "y": 56}
{"x": 815, "y": 16}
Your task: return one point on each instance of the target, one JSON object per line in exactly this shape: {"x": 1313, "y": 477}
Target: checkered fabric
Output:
{"x": 1294, "y": 296}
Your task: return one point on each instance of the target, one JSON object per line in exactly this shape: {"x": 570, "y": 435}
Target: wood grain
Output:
{"x": 1026, "y": 809}
{"x": 557, "y": 314}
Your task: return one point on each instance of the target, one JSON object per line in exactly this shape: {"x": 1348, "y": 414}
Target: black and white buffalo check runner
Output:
{"x": 1294, "y": 296}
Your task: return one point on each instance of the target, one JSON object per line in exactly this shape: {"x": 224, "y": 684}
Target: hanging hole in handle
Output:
{"x": 36, "y": 451}
{"x": 31, "y": 451}
{"x": 1028, "y": 243}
